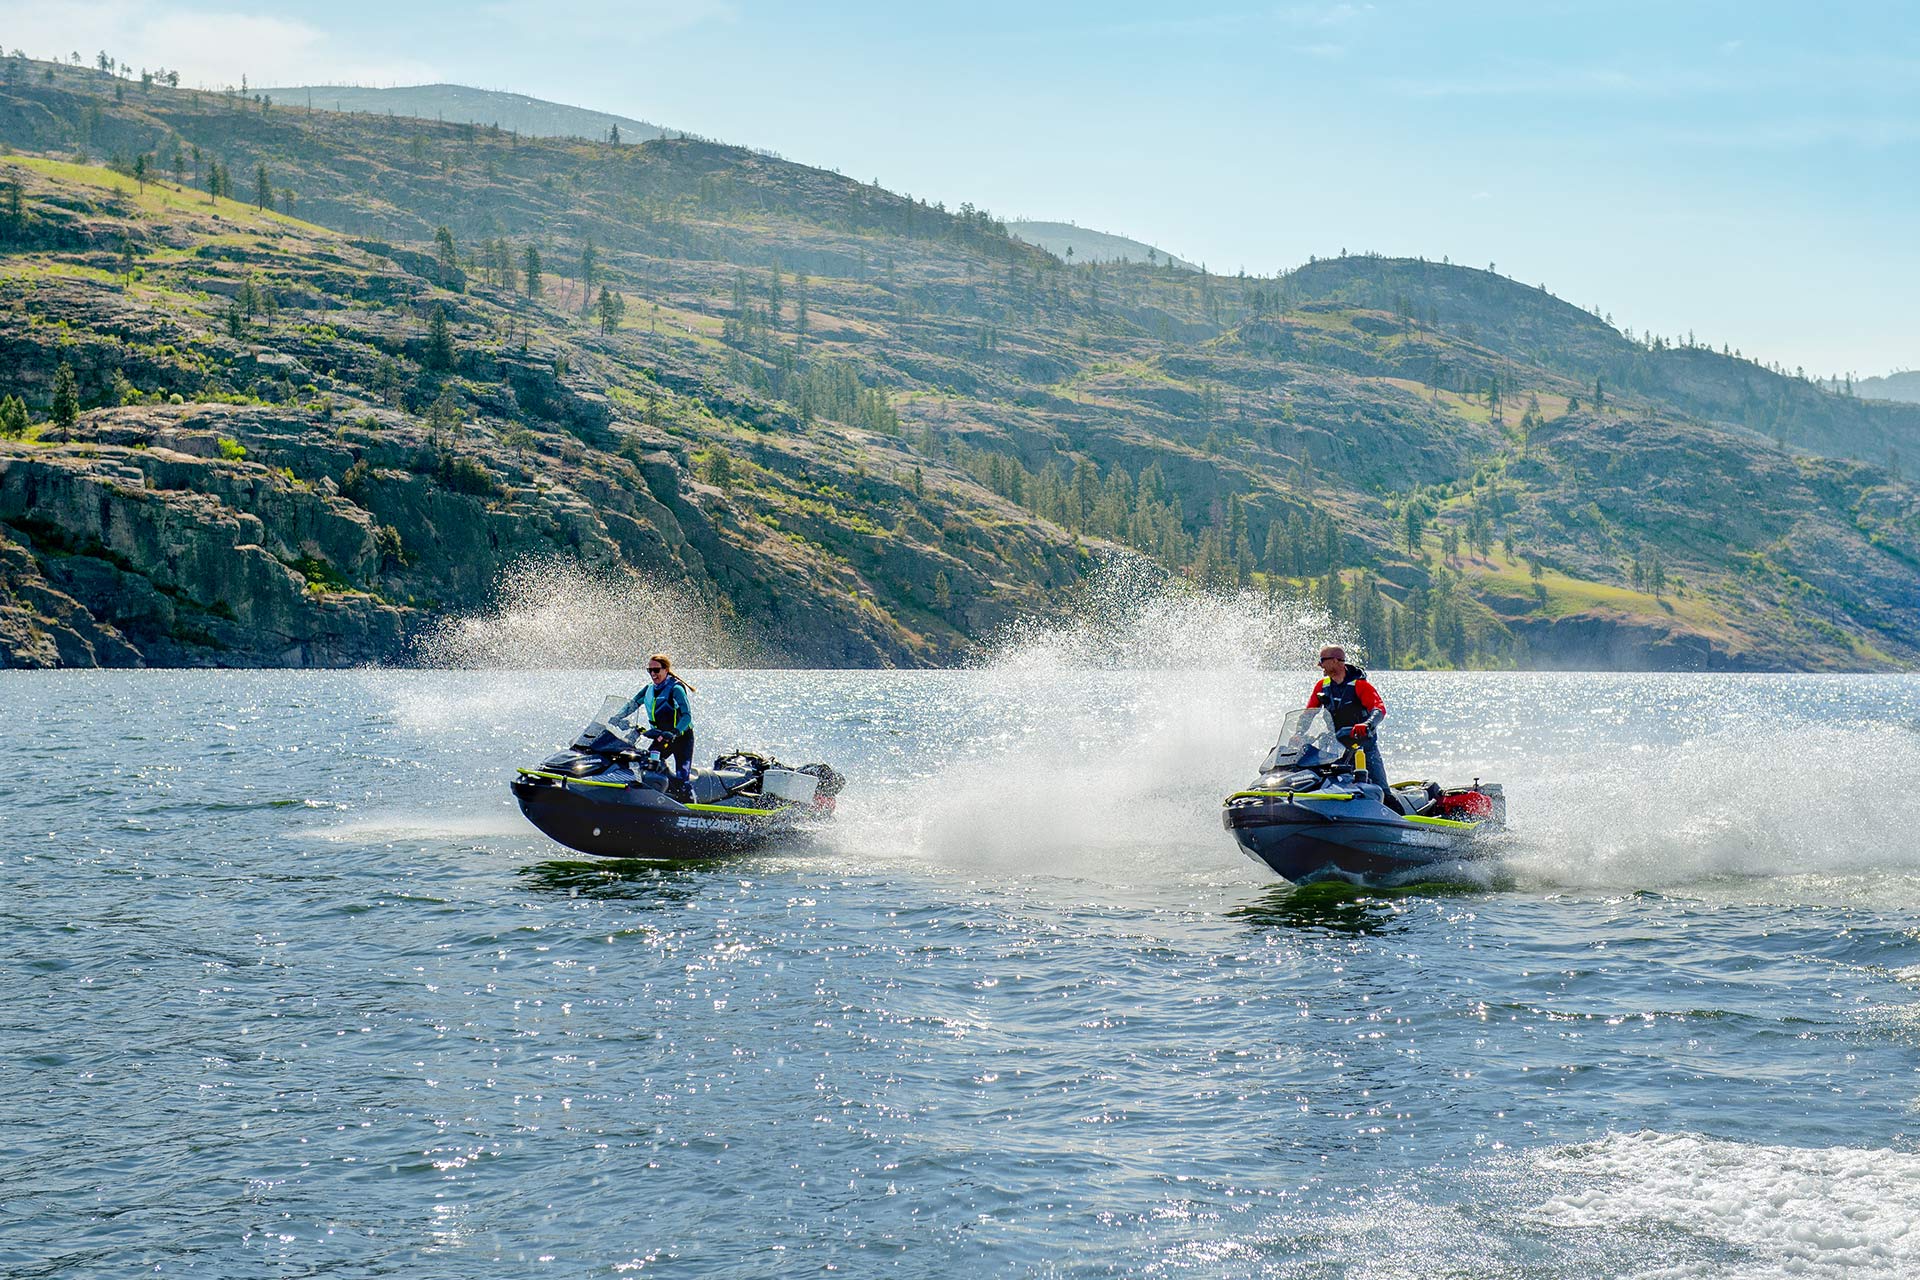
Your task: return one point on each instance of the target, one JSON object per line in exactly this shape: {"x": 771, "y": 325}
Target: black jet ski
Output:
{"x": 609, "y": 794}
{"x": 1312, "y": 816}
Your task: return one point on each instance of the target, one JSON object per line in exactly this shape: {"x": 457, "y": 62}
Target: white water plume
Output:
{"x": 1805, "y": 799}
{"x": 549, "y": 613}
{"x": 1132, "y": 615}
{"x": 1098, "y": 748}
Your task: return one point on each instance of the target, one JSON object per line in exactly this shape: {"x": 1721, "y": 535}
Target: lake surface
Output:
{"x": 291, "y": 988}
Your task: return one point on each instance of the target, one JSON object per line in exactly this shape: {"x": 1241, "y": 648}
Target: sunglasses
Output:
{"x": 655, "y": 670}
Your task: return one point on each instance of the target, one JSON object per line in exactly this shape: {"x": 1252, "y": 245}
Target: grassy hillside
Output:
{"x": 868, "y": 429}
{"x": 1077, "y": 244}
{"x": 1903, "y": 387}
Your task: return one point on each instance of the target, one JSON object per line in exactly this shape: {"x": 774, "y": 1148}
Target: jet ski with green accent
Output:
{"x": 1312, "y": 815}
{"x": 610, "y": 794}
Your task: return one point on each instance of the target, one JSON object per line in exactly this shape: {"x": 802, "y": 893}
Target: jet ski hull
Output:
{"x": 636, "y": 821}
{"x": 1357, "y": 840}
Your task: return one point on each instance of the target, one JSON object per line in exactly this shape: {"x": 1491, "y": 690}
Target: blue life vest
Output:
{"x": 663, "y": 710}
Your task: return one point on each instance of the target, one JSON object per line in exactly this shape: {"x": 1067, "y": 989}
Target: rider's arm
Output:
{"x": 1313, "y": 699}
{"x": 1371, "y": 700}
{"x": 683, "y": 723}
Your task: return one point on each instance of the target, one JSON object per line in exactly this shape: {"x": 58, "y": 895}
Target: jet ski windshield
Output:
{"x": 1306, "y": 742}
{"x": 605, "y": 733}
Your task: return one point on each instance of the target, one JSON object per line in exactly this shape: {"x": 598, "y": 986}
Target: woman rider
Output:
{"x": 670, "y": 716}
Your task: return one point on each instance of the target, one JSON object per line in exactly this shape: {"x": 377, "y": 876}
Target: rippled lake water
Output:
{"x": 291, "y": 988}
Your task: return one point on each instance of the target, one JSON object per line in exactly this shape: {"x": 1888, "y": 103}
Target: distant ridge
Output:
{"x": 1895, "y": 386}
{"x": 1091, "y": 246}
{"x": 463, "y": 104}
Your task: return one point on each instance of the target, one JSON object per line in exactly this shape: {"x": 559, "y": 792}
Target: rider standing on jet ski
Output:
{"x": 671, "y": 716}
{"x": 1356, "y": 709}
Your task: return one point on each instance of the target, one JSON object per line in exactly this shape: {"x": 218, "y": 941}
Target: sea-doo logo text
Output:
{"x": 709, "y": 824}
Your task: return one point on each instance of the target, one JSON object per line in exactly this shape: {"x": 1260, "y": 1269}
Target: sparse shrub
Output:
{"x": 230, "y": 449}
{"x": 446, "y": 412}
{"x": 392, "y": 552}
{"x": 320, "y": 575}
{"x": 357, "y": 484}
{"x": 464, "y": 475}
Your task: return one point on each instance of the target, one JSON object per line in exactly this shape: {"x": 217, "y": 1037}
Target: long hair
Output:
{"x": 667, "y": 662}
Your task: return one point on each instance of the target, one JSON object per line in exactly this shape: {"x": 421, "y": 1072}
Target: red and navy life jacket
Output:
{"x": 1352, "y": 701}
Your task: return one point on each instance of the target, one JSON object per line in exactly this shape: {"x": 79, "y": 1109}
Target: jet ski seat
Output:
{"x": 713, "y": 786}
{"x": 1416, "y": 799}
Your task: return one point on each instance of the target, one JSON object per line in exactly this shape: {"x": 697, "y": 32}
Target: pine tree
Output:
{"x": 443, "y": 247}
{"x": 439, "y": 355}
{"x": 262, "y": 189}
{"x": 531, "y": 265}
{"x": 589, "y": 270}
{"x": 1370, "y": 620}
{"x": 942, "y": 591}
{"x": 1333, "y": 593}
{"x": 66, "y": 396}
{"x": 1278, "y": 559}
{"x": 613, "y": 309}
{"x": 13, "y": 417}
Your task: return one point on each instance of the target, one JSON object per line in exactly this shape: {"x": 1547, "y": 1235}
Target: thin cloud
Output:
{"x": 1876, "y": 72}
{"x": 1870, "y": 132}
{"x": 627, "y": 22}
{"x": 1300, "y": 18}
{"x": 1568, "y": 82}
{"x": 207, "y": 47}
{"x": 1323, "y": 15}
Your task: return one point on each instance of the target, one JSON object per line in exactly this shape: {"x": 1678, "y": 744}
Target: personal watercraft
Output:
{"x": 1312, "y": 816}
{"x": 609, "y": 794}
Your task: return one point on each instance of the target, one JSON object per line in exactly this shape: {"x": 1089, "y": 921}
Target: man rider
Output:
{"x": 1356, "y": 709}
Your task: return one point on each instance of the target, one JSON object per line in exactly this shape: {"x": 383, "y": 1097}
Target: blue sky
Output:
{"x": 1746, "y": 171}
